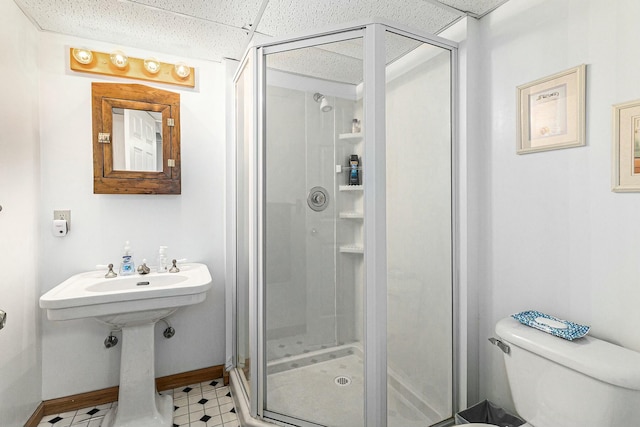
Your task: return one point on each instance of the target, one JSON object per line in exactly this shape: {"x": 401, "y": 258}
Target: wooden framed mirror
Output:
{"x": 136, "y": 139}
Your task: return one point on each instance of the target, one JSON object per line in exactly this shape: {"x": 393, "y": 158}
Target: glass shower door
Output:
{"x": 245, "y": 134}
{"x": 312, "y": 289}
{"x": 419, "y": 233}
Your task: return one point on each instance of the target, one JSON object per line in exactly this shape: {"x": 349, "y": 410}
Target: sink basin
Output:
{"x": 124, "y": 300}
{"x": 133, "y": 304}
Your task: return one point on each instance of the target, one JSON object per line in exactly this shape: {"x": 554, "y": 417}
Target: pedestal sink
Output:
{"x": 134, "y": 304}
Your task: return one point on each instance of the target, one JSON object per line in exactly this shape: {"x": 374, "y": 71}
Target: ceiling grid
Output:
{"x": 214, "y": 30}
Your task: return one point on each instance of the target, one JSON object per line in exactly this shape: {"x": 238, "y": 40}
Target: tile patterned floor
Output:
{"x": 207, "y": 404}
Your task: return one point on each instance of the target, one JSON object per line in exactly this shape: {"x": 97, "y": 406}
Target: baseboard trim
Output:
{"x": 190, "y": 377}
{"x": 34, "y": 420}
{"x": 108, "y": 395}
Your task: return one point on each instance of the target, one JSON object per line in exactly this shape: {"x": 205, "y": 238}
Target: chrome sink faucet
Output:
{"x": 143, "y": 269}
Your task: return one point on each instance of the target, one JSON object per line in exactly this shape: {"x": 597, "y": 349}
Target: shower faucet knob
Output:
{"x": 318, "y": 198}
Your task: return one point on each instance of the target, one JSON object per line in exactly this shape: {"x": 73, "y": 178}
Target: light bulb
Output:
{"x": 152, "y": 65}
{"x": 82, "y": 55}
{"x": 182, "y": 70}
{"x": 119, "y": 59}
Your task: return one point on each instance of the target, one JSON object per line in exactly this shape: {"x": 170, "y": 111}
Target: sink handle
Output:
{"x": 110, "y": 273}
{"x": 174, "y": 268}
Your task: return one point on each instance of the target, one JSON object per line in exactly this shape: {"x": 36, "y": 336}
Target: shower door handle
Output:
{"x": 3, "y": 319}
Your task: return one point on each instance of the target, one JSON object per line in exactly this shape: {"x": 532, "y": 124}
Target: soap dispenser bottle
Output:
{"x": 163, "y": 261}
{"x": 127, "y": 266}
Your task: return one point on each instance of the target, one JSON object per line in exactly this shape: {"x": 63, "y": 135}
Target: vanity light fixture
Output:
{"x": 82, "y": 55}
{"x": 182, "y": 70}
{"x": 152, "y": 65}
{"x": 119, "y": 59}
{"x": 118, "y": 64}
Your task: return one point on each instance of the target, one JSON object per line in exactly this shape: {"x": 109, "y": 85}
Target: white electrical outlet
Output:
{"x": 63, "y": 214}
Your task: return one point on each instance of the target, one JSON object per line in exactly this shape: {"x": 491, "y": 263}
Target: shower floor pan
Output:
{"x": 326, "y": 387}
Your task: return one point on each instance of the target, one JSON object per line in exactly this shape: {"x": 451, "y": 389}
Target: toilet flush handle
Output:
{"x": 502, "y": 346}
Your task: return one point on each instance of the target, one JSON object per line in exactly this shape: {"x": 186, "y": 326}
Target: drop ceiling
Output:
{"x": 218, "y": 29}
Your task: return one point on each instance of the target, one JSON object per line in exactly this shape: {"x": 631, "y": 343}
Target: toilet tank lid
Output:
{"x": 598, "y": 359}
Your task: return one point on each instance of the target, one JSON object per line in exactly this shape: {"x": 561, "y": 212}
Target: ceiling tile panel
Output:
{"x": 132, "y": 24}
{"x": 318, "y": 63}
{"x": 282, "y": 17}
{"x": 212, "y": 29}
{"x": 395, "y": 47}
{"x": 477, "y": 7}
{"x": 237, "y": 13}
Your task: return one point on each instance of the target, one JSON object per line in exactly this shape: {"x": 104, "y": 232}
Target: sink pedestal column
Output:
{"x": 139, "y": 405}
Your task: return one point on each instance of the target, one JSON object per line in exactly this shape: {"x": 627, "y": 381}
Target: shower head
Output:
{"x": 324, "y": 104}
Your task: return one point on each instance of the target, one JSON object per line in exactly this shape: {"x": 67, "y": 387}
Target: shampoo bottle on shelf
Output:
{"x": 354, "y": 170}
{"x": 127, "y": 266}
{"x": 163, "y": 261}
{"x": 355, "y": 126}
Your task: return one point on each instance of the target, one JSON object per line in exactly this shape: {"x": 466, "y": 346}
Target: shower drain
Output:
{"x": 342, "y": 381}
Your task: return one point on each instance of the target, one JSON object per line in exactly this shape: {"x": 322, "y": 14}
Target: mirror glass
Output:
{"x": 137, "y": 140}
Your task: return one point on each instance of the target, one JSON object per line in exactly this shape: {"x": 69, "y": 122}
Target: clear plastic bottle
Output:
{"x": 127, "y": 266}
{"x": 355, "y": 126}
{"x": 163, "y": 261}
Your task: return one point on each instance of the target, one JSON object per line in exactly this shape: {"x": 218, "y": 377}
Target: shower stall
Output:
{"x": 343, "y": 269}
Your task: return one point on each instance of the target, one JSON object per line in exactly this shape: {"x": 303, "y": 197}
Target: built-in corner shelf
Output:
{"x": 351, "y": 249}
{"x": 350, "y": 188}
{"x": 350, "y": 137}
{"x": 351, "y": 215}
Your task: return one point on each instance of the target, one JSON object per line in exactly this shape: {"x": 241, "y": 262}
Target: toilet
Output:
{"x": 586, "y": 382}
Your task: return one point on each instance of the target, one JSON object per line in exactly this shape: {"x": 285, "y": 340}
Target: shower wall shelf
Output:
{"x": 350, "y": 188}
{"x": 351, "y": 215}
{"x": 351, "y": 137}
{"x": 352, "y": 249}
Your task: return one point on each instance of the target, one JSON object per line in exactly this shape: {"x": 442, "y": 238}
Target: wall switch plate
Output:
{"x": 63, "y": 214}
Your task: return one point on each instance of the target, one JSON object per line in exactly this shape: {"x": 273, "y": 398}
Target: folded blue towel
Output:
{"x": 552, "y": 325}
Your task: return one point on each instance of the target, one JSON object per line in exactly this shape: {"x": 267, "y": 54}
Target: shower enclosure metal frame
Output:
{"x": 375, "y": 295}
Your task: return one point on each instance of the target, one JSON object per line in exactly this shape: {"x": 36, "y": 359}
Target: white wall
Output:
{"x": 191, "y": 224}
{"x": 20, "y": 365}
{"x": 554, "y": 236}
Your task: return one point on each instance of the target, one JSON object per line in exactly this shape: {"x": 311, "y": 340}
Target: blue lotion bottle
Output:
{"x": 127, "y": 266}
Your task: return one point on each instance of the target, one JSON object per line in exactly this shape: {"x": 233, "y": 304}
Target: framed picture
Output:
{"x": 626, "y": 147}
{"x": 551, "y": 112}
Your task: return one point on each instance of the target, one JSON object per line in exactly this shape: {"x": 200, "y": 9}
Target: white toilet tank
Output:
{"x": 582, "y": 383}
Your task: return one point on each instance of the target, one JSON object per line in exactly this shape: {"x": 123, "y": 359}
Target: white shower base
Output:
{"x": 309, "y": 392}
